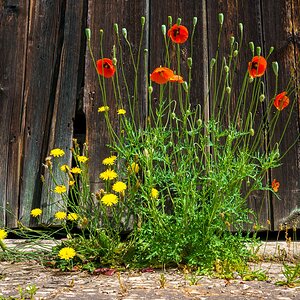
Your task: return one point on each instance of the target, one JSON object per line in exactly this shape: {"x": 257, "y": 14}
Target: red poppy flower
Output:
{"x": 275, "y": 185}
{"x": 176, "y": 78}
{"x": 105, "y": 67}
{"x": 281, "y": 101}
{"x": 161, "y": 75}
{"x": 178, "y": 34}
{"x": 257, "y": 66}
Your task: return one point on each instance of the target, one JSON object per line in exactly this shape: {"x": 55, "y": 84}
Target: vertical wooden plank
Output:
{"x": 249, "y": 14}
{"x": 102, "y": 15}
{"x": 13, "y": 35}
{"x": 281, "y": 23}
{"x": 61, "y": 124}
{"x": 42, "y": 61}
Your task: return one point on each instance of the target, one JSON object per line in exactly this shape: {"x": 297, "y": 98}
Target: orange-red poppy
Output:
{"x": 281, "y": 101}
{"x": 257, "y": 66}
{"x": 161, "y": 75}
{"x": 275, "y": 185}
{"x": 176, "y": 78}
{"x": 178, "y": 34}
{"x": 105, "y": 67}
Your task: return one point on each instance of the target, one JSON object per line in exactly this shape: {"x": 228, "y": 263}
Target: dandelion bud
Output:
{"x": 124, "y": 32}
{"x": 258, "y": 50}
{"x": 114, "y": 61}
{"x": 221, "y": 19}
{"x": 173, "y": 115}
{"x": 178, "y": 21}
{"x": 275, "y": 67}
{"x": 170, "y": 21}
{"x": 232, "y": 39}
{"x": 235, "y": 53}
{"x": 195, "y": 20}
{"x": 228, "y": 89}
{"x": 190, "y": 62}
{"x": 163, "y": 29}
{"x": 251, "y": 46}
{"x": 241, "y": 27}
{"x": 143, "y": 19}
{"x": 150, "y": 89}
{"x": 212, "y": 63}
{"x": 88, "y": 34}
{"x": 226, "y": 69}
{"x": 251, "y": 131}
{"x": 185, "y": 86}
{"x": 116, "y": 28}
{"x": 271, "y": 50}
{"x": 262, "y": 98}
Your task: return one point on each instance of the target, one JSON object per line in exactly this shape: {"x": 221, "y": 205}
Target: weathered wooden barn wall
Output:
{"x": 49, "y": 92}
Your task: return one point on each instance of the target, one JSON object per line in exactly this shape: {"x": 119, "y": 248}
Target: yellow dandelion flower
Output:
{"x": 82, "y": 158}
{"x": 119, "y": 187}
{"x": 59, "y": 189}
{"x": 109, "y": 199}
{"x": 134, "y": 167}
{"x": 72, "y": 217}
{"x": 109, "y": 161}
{"x": 67, "y": 253}
{"x": 64, "y": 168}
{"x": 103, "y": 108}
{"x": 57, "y": 152}
{"x": 71, "y": 182}
{"x": 60, "y": 215}
{"x": 121, "y": 111}
{"x": 108, "y": 175}
{"x": 36, "y": 212}
{"x": 3, "y": 234}
{"x": 154, "y": 193}
{"x": 76, "y": 170}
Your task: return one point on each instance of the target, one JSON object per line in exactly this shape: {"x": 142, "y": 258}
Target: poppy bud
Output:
{"x": 114, "y": 61}
{"x": 195, "y": 20}
{"x": 235, "y": 53}
{"x": 258, "y": 50}
{"x": 190, "y": 62}
{"x": 101, "y": 32}
{"x": 124, "y": 32}
{"x": 241, "y": 27}
{"x": 221, "y": 19}
{"x": 163, "y": 29}
{"x": 251, "y": 131}
{"x": 228, "y": 89}
{"x": 116, "y": 28}
{"x": 232, "y": 39}
{"x": 178, "y": 21}
{"x": 170, "y": 144}
{"x": 271, "y": 50}
{"x": 262, "y": 98}
{"x": 173, "y": 115}
{"x": 226, "y": 69}
{"x": 212, "y": 63}
{"x": 143, "y": 19}
{"x": 150, "y": 89}
{"x": 185, "y": 86}
{"x": 275, "y": 67}
{"x": 199, "y": 122}
{"x": 88, "y": 33}
{"x": 251, "y": 46}
{"x": 114, "y": 51}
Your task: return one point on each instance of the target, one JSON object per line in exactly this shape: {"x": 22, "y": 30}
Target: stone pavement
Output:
{"x": 170, "y": 284}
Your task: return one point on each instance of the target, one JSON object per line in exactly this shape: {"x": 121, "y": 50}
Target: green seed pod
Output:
{"x": 190, "y": 62}
{"x": 262, "y": 98}
{"x": 143, "y": 19}
{"x": 116, "y": 28}
{"x": 221, "y": 18}
{"x": 88, "y": 34}
{"x": 163, "y": 29}
{"x": 195, "y": 20}
{"x": 275, "y": 67}
{"x": 124, "y": 32}
{"x": 251, "y": 46}
{"x": 258, "y": 50}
